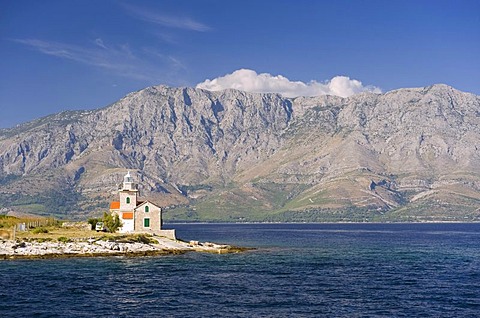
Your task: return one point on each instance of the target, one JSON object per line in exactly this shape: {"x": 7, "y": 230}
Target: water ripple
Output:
{"x": 298, "y": 271}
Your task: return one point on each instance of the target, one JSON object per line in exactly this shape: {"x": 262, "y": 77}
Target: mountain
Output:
{"x": 406, "y": 155}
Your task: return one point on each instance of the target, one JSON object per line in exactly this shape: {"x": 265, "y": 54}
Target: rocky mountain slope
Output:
{"x": 409, "y": 154}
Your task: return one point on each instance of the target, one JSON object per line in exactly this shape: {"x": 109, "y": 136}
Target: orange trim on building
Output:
{"x": 114, "y": 205}
{"x": 127, "y": 216}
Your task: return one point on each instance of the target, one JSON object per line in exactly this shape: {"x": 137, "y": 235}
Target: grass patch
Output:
{"x": 39, "y": 230}
{"x": 58, "y": 231}
{"x": 129, "y": 238}
{"x": 38, "y": 239}
{"x": 64, "y": 239}
{"x": 8, "y": 221}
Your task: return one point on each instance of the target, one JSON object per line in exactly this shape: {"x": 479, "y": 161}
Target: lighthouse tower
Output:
{"x": 128, "y": 191}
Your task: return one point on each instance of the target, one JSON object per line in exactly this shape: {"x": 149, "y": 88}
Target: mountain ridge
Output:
{"x": 233, "y": 156}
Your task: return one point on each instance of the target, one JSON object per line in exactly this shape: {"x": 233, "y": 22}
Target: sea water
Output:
{"x": 296, "y": 270}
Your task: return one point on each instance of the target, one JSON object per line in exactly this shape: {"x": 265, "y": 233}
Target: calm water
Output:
{"x": 298, "y": 270}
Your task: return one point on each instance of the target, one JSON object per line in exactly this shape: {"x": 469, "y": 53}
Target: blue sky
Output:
{"x": 60, "y": 55}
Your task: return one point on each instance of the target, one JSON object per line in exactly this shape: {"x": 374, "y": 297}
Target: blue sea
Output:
{"x": 296, "y": 270}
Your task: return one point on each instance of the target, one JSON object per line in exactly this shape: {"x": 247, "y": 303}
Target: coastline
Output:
{"x": 14, "y": 250}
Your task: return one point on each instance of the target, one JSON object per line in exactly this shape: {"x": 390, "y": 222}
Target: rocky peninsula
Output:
{"x": 120, "y": 246}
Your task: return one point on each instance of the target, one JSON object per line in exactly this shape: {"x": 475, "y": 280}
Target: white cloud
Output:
{"x": 250, "y": 81}
{"x": 117, "y": 59}
{"x": 169, "y": 21}
{"x": 100, "y": 43}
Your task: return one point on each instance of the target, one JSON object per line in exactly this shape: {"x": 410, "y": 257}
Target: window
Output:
{"x": 147, "y": 209}
{"x": 128, "y": 200}
{"x": 146, "y": 222}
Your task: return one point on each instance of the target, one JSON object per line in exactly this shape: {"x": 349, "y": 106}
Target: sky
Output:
{"x": 58, "y": 55}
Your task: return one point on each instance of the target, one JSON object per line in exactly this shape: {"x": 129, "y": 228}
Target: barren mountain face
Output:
{"x": 407, "y": 155}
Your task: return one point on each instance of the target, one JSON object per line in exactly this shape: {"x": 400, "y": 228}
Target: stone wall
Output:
{"x": 170, "y": 234}
{"x": 78, "y": 225}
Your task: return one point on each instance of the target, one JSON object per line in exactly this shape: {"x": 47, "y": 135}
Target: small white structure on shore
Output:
{"x": 138, "y": 216}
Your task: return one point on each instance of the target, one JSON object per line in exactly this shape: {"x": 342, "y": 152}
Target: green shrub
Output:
{"x": 130, "y": 238}
{"x": 64, "y": 239}
{"x": 7, "y": 221}
{"x": 93, "y": 222}
{"x": 39, "y": 230}
{"x": 142, "y": 238}
{"x": 43, "y": 239}
{"x": 109, "y": 238}
{"x": 112, "y": 223}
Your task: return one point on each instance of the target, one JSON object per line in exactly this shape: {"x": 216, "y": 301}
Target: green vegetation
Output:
{"x": 112, "y": 223}
{"x": 61, "y": 201}
{"x": 252, "y": 203}
{"x": 267, "y": 201}
{"x": 348, "y": 214}
{"x": 38, "y": 239}
{"x": 462, "y": 209}
{"x": 130, "y": 238}
{"x": 7, "y": 179}
{"x": 269, "y": 204}
{"x": 38, "y": 230}
{"x": 56, "y": 232}
{"x": 93, "y": 222}
{"x": 8, "y": 221}
{"x": 53, "y": 202}
{"x": 64, "y": 239}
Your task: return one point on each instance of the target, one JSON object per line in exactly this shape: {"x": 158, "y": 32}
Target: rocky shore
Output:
{"x": 97, "y": 247}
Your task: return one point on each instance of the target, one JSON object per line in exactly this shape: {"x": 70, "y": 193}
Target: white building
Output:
{"x": 137, "y": 216}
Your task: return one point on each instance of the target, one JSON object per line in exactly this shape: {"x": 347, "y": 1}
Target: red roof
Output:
{"x": 115, "y": 205}
{"x": 127, "y": 215}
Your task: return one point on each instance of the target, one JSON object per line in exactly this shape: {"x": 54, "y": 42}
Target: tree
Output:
{"x": 112, "y": 223}
{"x": 93, "y": 222}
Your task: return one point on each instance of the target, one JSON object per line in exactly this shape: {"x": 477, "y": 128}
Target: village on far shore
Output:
{"x": 133, "y": 227}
